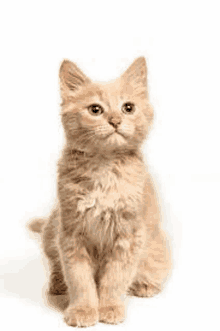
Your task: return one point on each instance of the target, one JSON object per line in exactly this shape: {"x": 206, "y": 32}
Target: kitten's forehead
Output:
{"x": 115, "y": 90}
{"x": 110, "y": 91}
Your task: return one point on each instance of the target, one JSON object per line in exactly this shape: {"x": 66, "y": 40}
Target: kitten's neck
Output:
{"x": 114, "y": 154}
{"x": 73, "y": 159}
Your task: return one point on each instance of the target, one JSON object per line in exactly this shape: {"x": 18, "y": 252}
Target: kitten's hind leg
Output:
{"x": 155, "y": 262}
{"x": 153, "y": 268}
{"x": 57, "y": 285}
{"x": 140, "y": 288}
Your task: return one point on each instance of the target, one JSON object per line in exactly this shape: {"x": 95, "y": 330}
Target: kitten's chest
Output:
{"x": 115, "y": 189}
{"x": 114, "y": 203}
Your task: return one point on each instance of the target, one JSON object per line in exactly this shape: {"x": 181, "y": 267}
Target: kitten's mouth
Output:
{"x": 118, "y": 136}
{"x": 117, "y": 132}
{"x": 120, "y": 133}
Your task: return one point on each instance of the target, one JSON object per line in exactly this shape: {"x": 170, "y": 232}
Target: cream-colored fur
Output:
{"x": 104, "y": 238}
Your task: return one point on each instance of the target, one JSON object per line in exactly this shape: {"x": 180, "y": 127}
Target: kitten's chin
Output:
{"x": 116, "y": 139}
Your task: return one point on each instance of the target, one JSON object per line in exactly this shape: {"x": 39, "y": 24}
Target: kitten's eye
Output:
{"x": 95, "y": 109}
{"x": 128, "y": 108}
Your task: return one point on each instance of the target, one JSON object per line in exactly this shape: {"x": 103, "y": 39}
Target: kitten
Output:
{"x": 104, "y": 239}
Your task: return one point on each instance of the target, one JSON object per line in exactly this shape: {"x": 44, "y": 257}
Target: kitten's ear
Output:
{"x": 136, "y": 74}
{"x": 71, "y": 78}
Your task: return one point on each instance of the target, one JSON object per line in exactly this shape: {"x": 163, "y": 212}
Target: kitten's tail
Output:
{"x": 36, "y": 225}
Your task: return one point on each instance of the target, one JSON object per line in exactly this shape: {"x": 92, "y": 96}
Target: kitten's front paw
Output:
{"x": 112, "y": 314}
{"x": 81, "y": 316}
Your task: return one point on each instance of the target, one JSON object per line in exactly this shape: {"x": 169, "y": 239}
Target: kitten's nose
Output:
{"x": 115, "y": 121}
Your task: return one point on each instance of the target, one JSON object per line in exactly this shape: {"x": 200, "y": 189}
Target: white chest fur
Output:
{"x": 114, "y": 189}
{"x": 114, "y": 202}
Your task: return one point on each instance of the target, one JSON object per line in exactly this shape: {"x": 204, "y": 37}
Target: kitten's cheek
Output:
{"x": 86, "y": 120}
{"x": 126, "y": 132}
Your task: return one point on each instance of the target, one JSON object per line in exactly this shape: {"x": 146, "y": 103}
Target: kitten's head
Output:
{"x": 105, "y": 117}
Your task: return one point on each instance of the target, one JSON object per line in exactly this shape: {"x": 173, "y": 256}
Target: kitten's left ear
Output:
{"x": 71, "y": 78}
{"x": 136, "y": 74}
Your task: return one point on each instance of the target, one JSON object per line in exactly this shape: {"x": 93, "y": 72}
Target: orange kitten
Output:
{"x": 104, "y": 238}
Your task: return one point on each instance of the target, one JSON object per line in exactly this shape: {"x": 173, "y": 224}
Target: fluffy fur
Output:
{"x": 104, "y": 238}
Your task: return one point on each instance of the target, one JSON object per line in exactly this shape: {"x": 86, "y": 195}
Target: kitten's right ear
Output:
{"x": 71, "y": 78}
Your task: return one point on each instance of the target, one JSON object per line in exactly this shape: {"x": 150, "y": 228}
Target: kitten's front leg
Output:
{"x": 116, "y": 277}
{"x": 79, "y": 275}
{"x": 77, "y": 266}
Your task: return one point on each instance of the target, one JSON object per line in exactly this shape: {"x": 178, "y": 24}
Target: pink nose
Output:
{"x": 114, "y": 121}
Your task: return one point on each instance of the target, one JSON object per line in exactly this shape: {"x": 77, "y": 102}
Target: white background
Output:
{"x": 180, "y": 40}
